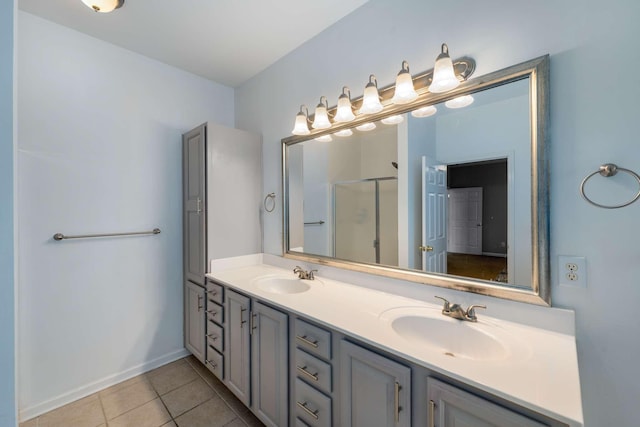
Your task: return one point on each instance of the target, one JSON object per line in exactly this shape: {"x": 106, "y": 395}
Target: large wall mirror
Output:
{"x": 436, "y": 192}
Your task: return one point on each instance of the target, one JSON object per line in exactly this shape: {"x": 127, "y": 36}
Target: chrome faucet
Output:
{"x": 305, "y": 275}
{"x": 457, "y": 312}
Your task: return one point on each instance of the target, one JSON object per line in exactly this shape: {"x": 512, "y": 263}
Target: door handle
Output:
{"x": 426, "y": 248}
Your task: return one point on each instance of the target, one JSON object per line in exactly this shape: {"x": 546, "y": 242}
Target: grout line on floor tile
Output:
{"x": 104, "y": 414}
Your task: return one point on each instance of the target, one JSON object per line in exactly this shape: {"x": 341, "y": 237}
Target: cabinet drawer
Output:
{"x": 313, "y": 339}
{"x": 300, "y": 423}
{"x": 214, "y": 361}
{"x": 214, "y": 292}
{"x": 312, "y": 407}
{"x": 215, "y": 312}
{"x": 215, "y": 336}
{"x": 313, "y": 370}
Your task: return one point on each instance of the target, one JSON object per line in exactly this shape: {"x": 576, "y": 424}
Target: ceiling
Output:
{"x": 227, "y": 41}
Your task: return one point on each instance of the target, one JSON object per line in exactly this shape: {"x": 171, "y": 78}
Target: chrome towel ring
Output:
{"x": 607, "y": 170}
{"x": 271, "y": 196}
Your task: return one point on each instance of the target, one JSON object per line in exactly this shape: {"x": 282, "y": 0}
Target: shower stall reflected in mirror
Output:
{"x": 365, "y": 218}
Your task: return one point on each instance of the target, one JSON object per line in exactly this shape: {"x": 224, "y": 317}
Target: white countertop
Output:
{"x": 542, "y": 375}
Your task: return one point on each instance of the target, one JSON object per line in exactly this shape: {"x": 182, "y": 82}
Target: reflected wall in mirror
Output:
{"x": 451, "y": 196}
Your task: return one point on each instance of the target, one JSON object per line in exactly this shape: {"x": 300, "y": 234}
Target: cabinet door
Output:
{"x": 269, "y": 365}
{"x": 452, "y": 407}
{"x": 194, "y": 318}
{"x": 374, "y": 390}
{"x": 236, "y": 346}
{"x": 194, "y": 204}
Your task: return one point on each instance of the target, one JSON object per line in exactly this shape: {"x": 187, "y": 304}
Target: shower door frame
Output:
{"x": 377, "y": 209}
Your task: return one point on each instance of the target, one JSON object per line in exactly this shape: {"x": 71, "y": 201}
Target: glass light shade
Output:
{"x": 444, "y": 78}
{"x": 344, "y": 113}
{"x": 103, "y": 6}
{"x": 404, "y": 93}
{"x": 366, "y": 127}
{"x": 300, "y": 127}
{"x": 371, "y": 99}
{"x": 459, "y": 102}
{"x": 427, "y": 111}
{"x": 324, "y": 138}
{"x": 321, "y": 118}
{"x": 392, "y": 120}
{"x": 344, "y": 132}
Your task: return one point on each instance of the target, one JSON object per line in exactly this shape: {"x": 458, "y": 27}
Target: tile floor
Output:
{"x": 183, "y": 393}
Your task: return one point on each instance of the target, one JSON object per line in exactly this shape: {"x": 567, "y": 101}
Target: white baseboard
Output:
{"x": 86, "y": 390}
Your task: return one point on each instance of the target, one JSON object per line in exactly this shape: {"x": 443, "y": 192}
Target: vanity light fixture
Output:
{"x": 301, "y": 126}
{"x": 393, "y": 120}
{"x": 427, "y": 111}
{"x": 103, "y": 6}
{"x": 405, "y": 92}
{"x": 344, "y": 132}
{"x": 444, "y": 78}
{"x": 344, "y": 111}
{"x": 371, "y": 99}
{"x": 365, "y": 127}
{"x": 321, "y": 117}
{"x": 459, "y": 102}
{"x": 324, "y": 138}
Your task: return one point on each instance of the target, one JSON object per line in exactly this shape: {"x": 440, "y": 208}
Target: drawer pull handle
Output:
{"x": 304, "y": 407}
{"x": 397, "y": 401}
{"x": 212, "y": 312}
{"x": 305, "y": 340}
{"x": 213, "y": 337}
{"x": 432, "y": 413}
{"x": 200, "y": 306}
{"x": 213, "y": 292}
{"x": 209, "y": 362}
{"x": 303, "y": 369}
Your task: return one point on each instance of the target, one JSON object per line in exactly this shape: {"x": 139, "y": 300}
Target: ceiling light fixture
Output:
{"x": 344, "y": 112}
{"x": 427, "y": 111}
{"x": 444, "y": 78}
{"x": 301, "y": 126}
{"x": 103, "y": 6}
{"x": 392, "y": 120}
{"x": 321, "y": 116}
{"x": 459, "y": 102}
{"x": 371, "y": 99}
{"x": 365, "y": 127}
{"x": 405, "y": 92}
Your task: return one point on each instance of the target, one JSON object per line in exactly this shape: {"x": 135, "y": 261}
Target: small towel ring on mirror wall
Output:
{"x": 607, "y": 170}
{"x": 271, "y": 196}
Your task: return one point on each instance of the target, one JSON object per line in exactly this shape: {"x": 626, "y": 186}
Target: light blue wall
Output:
{"x": 594, "y": 115}
{"x": 7, "y": 323}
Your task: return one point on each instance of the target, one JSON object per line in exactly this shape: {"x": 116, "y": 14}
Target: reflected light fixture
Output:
{"x": 427, "y": 111}
{"x": 371, "y": 99}
{"x": 103, "y": 6}
{"x": 444, "y": 78}
{"x": 365, "y": 127}
{"x": 324, "y": 138}
{"x": 321, "y": 117}
{"x": 301, "y": 126}
{"x": 393, "y": 120}
{"x": 344, "y": 132}
{"x": 344, "y": 111}
{"x": 459, "y": 102}
{"x": 405, "y": 92}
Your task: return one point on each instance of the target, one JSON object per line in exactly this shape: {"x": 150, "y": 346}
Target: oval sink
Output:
{"x": 283, "y": 285}
{"x": 452, "y": 337}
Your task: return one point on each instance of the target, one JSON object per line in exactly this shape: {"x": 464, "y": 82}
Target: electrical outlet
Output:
{"x": 572, "y": 271}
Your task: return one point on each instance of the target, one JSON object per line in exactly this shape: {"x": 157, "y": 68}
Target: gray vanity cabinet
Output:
{"x": 269, "y": 365}
{"x": 194, "y": 320}
{"x": 237, "y": 341}
{"x": 374, "y": 390}
{"x": 450, "y": 406}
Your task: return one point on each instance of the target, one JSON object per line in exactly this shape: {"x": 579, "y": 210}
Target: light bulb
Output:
{"x": 459, "y": 102}
{"x": 103, "y": 6}
{"x": 344, "y": 112}
{"x": 444, "y": 78}
{"x": 427, "y": 111}
{"x": 392, "y": 120}
{"x": 321, "y": 118}
{"x": 366, "y": 127}
{"x": 371, "y": 99}
{"x": 301, "y": 127}
{"x": 405, "y": 92}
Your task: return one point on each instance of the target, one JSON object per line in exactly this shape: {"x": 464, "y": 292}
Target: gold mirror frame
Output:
{"x": 537, "y": 71}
